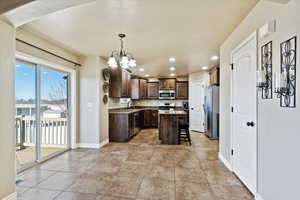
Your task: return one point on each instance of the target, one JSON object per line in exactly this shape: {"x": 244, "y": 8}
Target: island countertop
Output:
{"x": 172, "y": 112}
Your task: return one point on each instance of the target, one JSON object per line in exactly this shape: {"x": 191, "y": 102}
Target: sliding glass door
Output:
{"x": 54, "y": 112}
{"x": 25, "y": 90}
{"x": 42, "y": 117}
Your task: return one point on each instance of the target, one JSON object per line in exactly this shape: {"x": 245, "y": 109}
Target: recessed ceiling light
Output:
{"x": 215, "y": 57}
{"x": 147, "y": 75}
{"x": 172, "y": 59}
{"x": 172, "y": 68}
{"x": 172, "y": 74}
{"x": 204, "y": 67}
{"x": 142, "y": 69}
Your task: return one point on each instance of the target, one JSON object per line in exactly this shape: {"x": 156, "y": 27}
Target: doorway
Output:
{"x": 197, "y": 115}
{"x": 244, "y": 112}
{"x": 42, "y": 113}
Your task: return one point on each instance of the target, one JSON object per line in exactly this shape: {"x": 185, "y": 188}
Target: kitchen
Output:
{"x": 153, "y": 103}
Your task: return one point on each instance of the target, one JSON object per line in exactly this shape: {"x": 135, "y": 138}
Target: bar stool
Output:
{"x": 184, "y": 135}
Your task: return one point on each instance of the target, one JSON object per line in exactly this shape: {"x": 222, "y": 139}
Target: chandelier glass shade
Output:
{"x": 121, "y": 58}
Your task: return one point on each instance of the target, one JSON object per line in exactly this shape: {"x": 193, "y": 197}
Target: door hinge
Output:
{"x": 231, "y": 108}
{"x": 231, "y": 66}
{"x": 232, "y": 152}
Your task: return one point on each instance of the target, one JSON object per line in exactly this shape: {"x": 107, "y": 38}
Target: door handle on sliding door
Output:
{"x": 252, "y": 124}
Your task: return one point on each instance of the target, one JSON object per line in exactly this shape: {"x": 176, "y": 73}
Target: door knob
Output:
{"x": 252, "y": 124}
{"x": 192, "y": 108}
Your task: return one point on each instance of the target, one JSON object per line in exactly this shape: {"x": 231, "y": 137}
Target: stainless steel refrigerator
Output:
{"x": 211, "y": 108}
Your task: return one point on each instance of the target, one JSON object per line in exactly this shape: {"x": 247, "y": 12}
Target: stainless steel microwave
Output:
{"x": 166, "y": 94}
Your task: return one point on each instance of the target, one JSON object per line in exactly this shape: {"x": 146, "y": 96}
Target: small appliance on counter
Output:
{"x": 185, "y": 105}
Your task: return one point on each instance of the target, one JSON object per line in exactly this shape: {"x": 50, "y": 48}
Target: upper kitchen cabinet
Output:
{"x": 214, "y": 76}
{"x": 152, "y": 90}
{"x": 167, "y": 84}
{"x": 119, "y": 83}
{"x": 182, "y": 88}
{"x": 138, "y": 88}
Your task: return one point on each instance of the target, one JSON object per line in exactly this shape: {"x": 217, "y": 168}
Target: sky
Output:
{"x": 53, "y": 86}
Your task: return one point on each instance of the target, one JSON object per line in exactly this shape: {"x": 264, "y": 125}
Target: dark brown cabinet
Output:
{"x": 167, "y": 84}
{"x": 119, "y": 83}
{"x": 150, "y": 119}
{"x": 152, "y": 88}
{"x": 182, "y": 88}
{"x": 214, "y": 76}
{"x": 121, "y": 127}
{"x": 138, "y": 88}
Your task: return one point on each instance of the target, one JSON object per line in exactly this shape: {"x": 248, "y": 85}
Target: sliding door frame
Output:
{"x": 72, "y": 100}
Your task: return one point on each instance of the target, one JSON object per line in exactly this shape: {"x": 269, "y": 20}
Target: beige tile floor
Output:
{"x": 141, "y": 169}
{"x": 28, "y": 155}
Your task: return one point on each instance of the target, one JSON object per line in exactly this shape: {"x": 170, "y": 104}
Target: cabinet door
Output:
{"x": 154, "y": 119}
{"x": 130, "y": 125}
{"x": 167, "y": 84}
{"x": 143, "y": 88}
{"x": 152, "y": 90}
{"x": 147, "y": 118}
{"x": 171, "y": 84}
{"x": 182, "y": 90}
{"x": 124, "y": 84}
{"x": 128, "y": 77}
{"x": 135, "y": 89}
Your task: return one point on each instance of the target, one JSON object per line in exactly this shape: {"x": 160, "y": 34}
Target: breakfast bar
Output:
{"x": 168, "y": 125}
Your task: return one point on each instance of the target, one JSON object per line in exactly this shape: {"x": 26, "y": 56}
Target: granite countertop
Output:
{"x": 126, "y": 110}
{"x": 172, "y": 112}
{"x": 138, "y": 109}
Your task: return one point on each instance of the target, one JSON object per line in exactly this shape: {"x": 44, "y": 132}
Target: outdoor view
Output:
{"x": 53, "y": 112}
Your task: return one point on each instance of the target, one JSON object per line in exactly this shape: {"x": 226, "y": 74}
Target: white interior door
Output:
{"x": 196, "y": 98}
{"x": 244, "y": 138}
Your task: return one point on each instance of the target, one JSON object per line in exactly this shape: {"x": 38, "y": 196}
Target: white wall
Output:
{"x": 93, "y": 112}
{"x": 202, "y": 76}
{"x": 7, "y": 110}
{"x": 35, "y": 40}
{"x": 89, "y": 101}
{"x": 278, "y": 128}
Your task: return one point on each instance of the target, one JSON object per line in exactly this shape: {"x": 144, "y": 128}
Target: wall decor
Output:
{"x": 265, "y": 72}
{"x": 106, "y": 74}
{"x": 285, "y": 84}
{"x": 105, "y": 87}
{"x": 105, "y": 99}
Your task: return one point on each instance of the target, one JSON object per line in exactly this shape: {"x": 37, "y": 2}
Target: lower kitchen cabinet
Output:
{"x": 150, "y": 119}
{"x": 123, "y": 126}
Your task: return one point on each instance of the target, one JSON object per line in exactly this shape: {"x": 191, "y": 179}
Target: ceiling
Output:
{"x": 191, "y": 31}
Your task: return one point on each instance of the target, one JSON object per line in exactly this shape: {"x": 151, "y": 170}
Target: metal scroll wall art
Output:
{"x": 266, "y": 69}
{"x": 285, "y": 83}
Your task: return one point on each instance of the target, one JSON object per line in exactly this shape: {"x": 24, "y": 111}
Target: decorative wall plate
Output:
{"x": 105, "y": 99}
{"x": 106, "y": 74}
{"x": 105, "y": 87}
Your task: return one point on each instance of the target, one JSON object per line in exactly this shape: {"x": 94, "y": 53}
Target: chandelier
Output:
{"x": 121, "y": 58}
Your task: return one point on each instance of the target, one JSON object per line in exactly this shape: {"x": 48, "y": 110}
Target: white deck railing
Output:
{"x": 54, "y": 132}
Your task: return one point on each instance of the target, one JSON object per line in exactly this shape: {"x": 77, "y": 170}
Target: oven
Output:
{"x": 166, "y": 94}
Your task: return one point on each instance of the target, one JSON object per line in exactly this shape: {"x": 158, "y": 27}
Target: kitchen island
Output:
{"x": 168, "y": 125}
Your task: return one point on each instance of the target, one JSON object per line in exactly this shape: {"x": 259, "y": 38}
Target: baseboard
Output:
{"x": 225, "y": 162}
{"x": 258, "y": 197}
{"x": 105, "y": 142}
{"x": 88, "y": 145}
{"x": 92, "y": 146}
{"x": 12, "y": 196}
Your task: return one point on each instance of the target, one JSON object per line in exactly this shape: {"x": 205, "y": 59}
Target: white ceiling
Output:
{"x": 191, "y": 31}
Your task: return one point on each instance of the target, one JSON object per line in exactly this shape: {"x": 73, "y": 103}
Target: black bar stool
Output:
{"x": 184, "y": 135}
